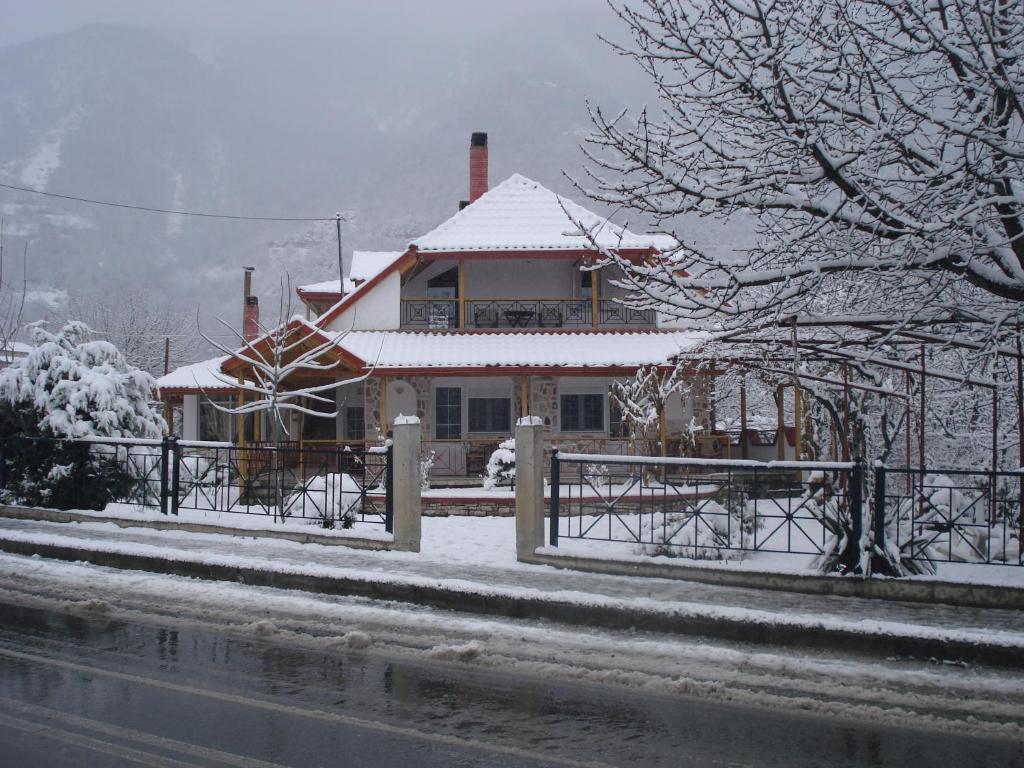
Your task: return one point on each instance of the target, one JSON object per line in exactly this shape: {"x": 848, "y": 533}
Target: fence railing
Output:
{"x": 332, "y": 486}
{"x": 951, "y": 515}
{"x": 709, "y": 508}
{"x": 522, "y": 313}
{"x": 703, "y": 508}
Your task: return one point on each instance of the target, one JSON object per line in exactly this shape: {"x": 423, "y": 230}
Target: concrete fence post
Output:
{"x": 529, "y": 486}
{"x": 405, "y": 454}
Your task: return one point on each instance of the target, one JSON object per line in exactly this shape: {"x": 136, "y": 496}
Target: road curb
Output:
{"x": 875, "y": 588}
{"x": 493, "y": 603}
{"x": 171, "y": 524}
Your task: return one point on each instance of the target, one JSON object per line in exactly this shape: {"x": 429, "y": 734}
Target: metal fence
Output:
{"x": 950, "y": 515}
{"x": 709, "y": 508}
{"x": 332, "y": 486}
{"x": 704, "y": 508}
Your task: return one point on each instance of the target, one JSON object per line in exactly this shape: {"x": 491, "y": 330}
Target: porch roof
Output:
{"x": 564, "y": 351}
{"x": 204, "y": 376}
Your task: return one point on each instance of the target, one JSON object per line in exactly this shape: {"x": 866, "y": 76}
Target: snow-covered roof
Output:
{"x": 368, "y": 264}
{"x": 520, "y": 214}
{"x": 365, "y": 266}
{"x": 16, "y": 348}
{"x": 327, "y": 286}
{"x": 530, "y": 349}
{"x": 202, "y": 376}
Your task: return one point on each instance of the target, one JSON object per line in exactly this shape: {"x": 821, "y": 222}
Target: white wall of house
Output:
{"x": 190, "y": 417}
{"x": 379, "y": 310}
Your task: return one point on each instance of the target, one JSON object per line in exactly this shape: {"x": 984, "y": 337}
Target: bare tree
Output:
{"x": 12, "y": 300}
{"x": 139, "y": 322}
{"x": 880, "y": 143}
{"x": 284, "y": 354}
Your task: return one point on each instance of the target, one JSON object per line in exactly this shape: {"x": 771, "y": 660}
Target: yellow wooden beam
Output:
{"x": 462, "y": 293}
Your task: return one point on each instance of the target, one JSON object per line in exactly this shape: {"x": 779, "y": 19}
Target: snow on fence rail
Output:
{"x": 328, "y": 486}
{"x": 704, "y": 508}
{"x": 720, "y": 509}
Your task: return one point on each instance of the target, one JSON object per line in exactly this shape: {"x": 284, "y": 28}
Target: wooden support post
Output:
{"x": 1020, "y": 447}
{"x": 798, "y": 423}
{"x": 906, "y": 429}
{"x": 744, "y": 448}
{"x": 462, "y": 293}
{"x": 595, "y": 301}
{"x": 243, "y": 465}
{"x": 662, "y": 432}
{"x": 780, "y": 425}
{"x": 384, "y": 407}
{"x": 846, "y": 412}
{"x": 921, "y": 416}
{"x": 169, "y": 416}
{"x": 524, "y": 396}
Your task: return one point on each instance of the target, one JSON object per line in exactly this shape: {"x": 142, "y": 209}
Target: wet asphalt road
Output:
{"x": 91, "y": 692}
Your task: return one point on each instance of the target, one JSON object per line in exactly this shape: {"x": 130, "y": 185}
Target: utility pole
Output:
{"x": 341, "y": 268}
{"x": 167, "y": 355}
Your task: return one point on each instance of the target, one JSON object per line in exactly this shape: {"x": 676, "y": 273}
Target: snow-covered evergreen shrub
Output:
{"x": 501, "y": 467}
{"x": 705, "y": 529}
{"x": 71, "y": 387}
{"x": 333, "y": 499}
{"x": 426, "y": 465}
{"x": 949, "y": 523}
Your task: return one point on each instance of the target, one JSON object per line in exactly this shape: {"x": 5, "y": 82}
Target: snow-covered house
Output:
{"x": 489, "y": 316}
{"x": 13, "y": 351}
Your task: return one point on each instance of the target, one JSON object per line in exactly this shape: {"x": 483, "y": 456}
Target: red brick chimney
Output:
{"x": 477, "y": 165}
{"x": 250, "y": 309}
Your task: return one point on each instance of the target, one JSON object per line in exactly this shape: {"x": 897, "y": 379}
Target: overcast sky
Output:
{"x": 431, "y": 19}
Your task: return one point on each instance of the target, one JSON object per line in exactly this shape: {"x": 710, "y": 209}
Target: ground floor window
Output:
{"x": 490, "y": 414}
{"x": 355, "y": 422}
{"x": 448, "y": 413}
{"x": 582, "y": 413}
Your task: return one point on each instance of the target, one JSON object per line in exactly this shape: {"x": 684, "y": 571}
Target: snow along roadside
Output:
{"x": 679, "y": 617}
{"x": 894, "y": 692}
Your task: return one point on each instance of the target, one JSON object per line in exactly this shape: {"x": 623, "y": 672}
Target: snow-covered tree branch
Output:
{"x": 880, "y": 143}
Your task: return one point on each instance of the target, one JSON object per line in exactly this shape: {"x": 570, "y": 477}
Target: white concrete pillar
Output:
{"x": 529, "y": 485}
{"x": 190, "y": 417}
{"x": 406, "y": 504}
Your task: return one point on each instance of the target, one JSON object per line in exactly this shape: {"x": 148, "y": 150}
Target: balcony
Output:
{"x": 442, "y": 314}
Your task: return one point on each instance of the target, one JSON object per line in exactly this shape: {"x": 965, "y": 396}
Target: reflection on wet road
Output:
{"x": 89, "y": 691}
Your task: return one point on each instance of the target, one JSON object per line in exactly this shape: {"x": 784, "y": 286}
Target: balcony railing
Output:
{"x": 521, "y": 313}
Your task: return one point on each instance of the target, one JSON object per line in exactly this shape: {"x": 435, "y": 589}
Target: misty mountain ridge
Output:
{"x": 273, "y": 127}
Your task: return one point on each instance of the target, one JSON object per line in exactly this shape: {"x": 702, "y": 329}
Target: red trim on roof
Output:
{"x": 314, "y": 335}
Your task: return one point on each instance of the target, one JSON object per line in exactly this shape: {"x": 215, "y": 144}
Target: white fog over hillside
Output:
{"x": 281, "y": 115}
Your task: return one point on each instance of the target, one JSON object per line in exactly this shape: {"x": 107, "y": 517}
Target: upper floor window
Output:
{"x": 587, "y": 282}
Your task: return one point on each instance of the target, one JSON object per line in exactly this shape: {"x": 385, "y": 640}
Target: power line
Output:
{"x": 163, "y": 210}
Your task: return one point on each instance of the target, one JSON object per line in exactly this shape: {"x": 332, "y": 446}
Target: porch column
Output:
{"x": 384, "y": 407}
{"x": 780, "y": 423}
{"x": 462, "y": 293}
{"x": 524, "y": 396}
{"x": 744, "y": 448}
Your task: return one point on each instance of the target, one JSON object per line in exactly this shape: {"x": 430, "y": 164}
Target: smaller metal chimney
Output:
{"x": 250, "y": 309}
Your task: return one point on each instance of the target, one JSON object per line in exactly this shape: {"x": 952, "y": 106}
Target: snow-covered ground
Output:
{"x": 491, "y": 541}
{"x": 904, "y": 692}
